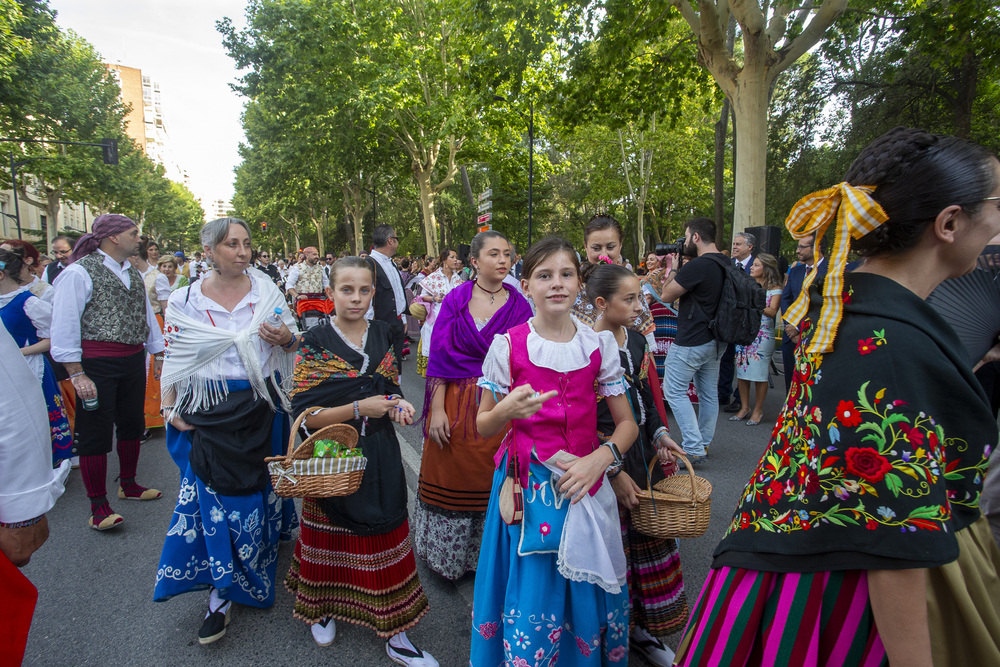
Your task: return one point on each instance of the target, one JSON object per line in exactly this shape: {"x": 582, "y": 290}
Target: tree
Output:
{"x": 772, "y": 38}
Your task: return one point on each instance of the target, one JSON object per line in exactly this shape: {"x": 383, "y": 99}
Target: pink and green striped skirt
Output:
{"x": 774, "y": 619}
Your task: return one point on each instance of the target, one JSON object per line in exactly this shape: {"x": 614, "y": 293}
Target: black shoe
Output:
{"x": 735, "y": 406}
{"x": 146, "y": 435}
{"x": 214, "y": 626}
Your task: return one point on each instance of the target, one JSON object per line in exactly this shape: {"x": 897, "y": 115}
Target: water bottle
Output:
{"x": 90, "y": 404}
{"x": 274, "y": 319}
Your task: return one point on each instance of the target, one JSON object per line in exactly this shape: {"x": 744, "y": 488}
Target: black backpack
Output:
{"x": 741, "y": 305}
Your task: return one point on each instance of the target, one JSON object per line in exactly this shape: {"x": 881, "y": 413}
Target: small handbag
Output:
{"x": 511, "y": 496}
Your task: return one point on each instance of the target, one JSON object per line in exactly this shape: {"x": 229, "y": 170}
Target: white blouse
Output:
{"x": 39, "y": 311}
{"x": 559, "y": 357}
{"x": 199, "y": 307}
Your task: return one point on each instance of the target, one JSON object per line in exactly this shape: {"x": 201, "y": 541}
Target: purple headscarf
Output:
{"x": 104, "y": 226}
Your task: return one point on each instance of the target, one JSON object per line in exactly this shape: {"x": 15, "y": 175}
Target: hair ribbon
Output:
{"x": 856, "y": 214}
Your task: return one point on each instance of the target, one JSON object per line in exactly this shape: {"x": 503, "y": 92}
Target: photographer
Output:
{"x": 695, "y": 354}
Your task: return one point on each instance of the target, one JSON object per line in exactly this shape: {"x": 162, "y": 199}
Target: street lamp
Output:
{"x": 109, "y": 153}
{"x": 531, "y": 152}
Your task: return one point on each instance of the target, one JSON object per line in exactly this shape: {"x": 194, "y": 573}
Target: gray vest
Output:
{"x": 113, "y": 314}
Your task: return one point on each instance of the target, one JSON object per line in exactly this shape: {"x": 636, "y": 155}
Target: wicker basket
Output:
{"x": 299, "y": 475}
{"x": 679, "y": 506}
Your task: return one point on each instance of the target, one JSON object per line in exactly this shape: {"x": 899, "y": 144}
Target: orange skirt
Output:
{"x": 458, "y": 476}
{"x": 151, "y": 407}
{"x": 69, "y": 401}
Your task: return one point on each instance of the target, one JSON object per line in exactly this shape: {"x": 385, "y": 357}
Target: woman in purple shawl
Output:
{"x": 456, "y": 471}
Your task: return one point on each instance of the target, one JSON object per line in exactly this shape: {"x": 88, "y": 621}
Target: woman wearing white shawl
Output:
{"x": 224, "y": 404}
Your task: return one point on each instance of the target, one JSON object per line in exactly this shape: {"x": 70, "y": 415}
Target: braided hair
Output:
{"x": 918, "y": 174}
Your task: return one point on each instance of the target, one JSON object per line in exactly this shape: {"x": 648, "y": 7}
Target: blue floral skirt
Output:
{"x": 525, "y": 614}
{"x": 224, "y": 542}
{"x": 62, "y": 435}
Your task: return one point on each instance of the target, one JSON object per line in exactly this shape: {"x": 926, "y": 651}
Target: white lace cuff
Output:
{"x": 613, "y": 388}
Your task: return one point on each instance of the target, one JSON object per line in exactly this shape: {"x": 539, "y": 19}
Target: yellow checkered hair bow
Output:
{"x": 857, "y": 214}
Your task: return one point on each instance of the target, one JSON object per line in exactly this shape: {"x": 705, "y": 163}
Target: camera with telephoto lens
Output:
{"x": 664, "y": 249}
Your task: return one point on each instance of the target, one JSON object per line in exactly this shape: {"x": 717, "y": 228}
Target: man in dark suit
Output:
{"x": 809, "y": 255}
{"x": 743, "y": 254}
{"x": 389, "y": 300}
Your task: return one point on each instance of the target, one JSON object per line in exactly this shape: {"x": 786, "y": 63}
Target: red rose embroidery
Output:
{"x": 773, "y": 492}
{"x": 871, "y": 524}
{"x": 848, "y": 414}
{"x": 812, "y": 483}
{"x": 488, "y": 630}
{"x": 867, "y": 463}
{"x": 866, "y": 346}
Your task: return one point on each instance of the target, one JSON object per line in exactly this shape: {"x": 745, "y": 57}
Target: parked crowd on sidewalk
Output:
{"x": 559, "y": 385}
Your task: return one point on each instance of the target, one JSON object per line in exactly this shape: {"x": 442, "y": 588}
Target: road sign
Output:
{"x": 483, "y": 196}
{"x": 485, "y": 228}
{"x": 486, "y": 205}
{"x": 484, "y": 218}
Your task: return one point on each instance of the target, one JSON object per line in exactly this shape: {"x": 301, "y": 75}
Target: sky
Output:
{"x": 175, "y": 42}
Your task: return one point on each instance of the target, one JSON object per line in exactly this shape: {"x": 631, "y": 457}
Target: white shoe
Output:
{"x": 74, "y": 462}
{"x": 324, "y": 632}
{"x": 408, "y": 654}
{"x": 655, "y": 651}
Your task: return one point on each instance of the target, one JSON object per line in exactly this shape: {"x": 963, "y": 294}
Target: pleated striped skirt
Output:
{"x": 772, "y": 619}
{"x": 368, "y": 580}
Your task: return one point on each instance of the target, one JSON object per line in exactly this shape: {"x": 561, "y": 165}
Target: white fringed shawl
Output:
{"x": 192, "y": 366}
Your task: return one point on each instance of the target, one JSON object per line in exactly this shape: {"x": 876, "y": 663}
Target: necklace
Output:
{"x": 492, "y": 294}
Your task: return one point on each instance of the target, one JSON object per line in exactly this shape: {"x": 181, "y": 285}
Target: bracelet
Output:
{"x": 76, "y": 375}
{"x": 660, "y": 432}
{"x": 614, "y": 471}
{"x": 357, "y": 411}
{"x": 290, "y": 343}
{"x": 21, "y": 524}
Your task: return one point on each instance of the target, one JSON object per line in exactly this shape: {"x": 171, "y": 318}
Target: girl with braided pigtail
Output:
{"x": 842, "y": 549}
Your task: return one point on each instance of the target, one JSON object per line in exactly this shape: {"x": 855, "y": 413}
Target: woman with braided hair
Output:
{"x": 842, "y": 549}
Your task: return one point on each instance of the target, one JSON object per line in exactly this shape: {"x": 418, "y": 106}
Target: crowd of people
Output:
{"x": 549, "y": 382}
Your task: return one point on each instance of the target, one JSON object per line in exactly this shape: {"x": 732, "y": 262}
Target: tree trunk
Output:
{"x": 357, "y": 204}
{"x": 721, "y": 130}
{"x": 427, "y": 200}
{"x": 967, "y": 80}
{"x": 750, "y": 105}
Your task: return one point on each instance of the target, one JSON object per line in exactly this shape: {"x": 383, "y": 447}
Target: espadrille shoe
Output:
{"x": 145, "y": 494}
{"x": 107, "y": 522}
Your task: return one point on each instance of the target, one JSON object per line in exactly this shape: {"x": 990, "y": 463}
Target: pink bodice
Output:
{"x": 567, "y": 421}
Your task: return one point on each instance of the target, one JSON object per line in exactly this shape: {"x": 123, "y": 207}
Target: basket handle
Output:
{"x": 687, "y": 465}
{"x": 297, "y": 424}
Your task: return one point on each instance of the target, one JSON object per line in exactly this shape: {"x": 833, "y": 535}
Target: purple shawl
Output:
{"x": 457, "y": 347}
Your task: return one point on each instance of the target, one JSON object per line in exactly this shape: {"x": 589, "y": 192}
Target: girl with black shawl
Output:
{"x": 353, "y": 560}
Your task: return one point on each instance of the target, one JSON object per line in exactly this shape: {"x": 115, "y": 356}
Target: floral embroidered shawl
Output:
{"x": 879, "y": 454}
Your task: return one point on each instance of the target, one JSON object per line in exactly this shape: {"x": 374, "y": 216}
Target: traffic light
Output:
{"x": 109, "y": 151}
{"x": 263, "y": 226}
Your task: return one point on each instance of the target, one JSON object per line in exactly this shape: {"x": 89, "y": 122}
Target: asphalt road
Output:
{"x": 95, "y": 589}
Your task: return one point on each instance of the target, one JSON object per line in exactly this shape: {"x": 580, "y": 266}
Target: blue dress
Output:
{"x": 226, "y": 542}
{"x": 24, "y": 334}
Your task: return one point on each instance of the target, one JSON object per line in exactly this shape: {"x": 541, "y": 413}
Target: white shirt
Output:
{"x": 199, "y": 307}
{"x": 39, "y": 311}
{"x": 29, "y": 487}
{"x": 394, "y": 279}
{"x": 163, "y": 288}
{"x": 293, "y": 277}
{"x": 73, "y": 289}
{"x": 743, "y": 262}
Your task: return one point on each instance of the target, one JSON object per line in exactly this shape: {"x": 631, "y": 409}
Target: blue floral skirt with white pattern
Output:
{"x": 525, "y": 614}
{"x": 224, "y": 542}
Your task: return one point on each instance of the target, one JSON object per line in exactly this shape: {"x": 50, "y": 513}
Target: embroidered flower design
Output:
{"x": 234, "y": 516}
{"x": 544, "y": 529}
{"x": 216, "y": 514}
{"x": 554, "y": 660}
{"x": 521, "y": 639}
{"x": 488, "y": 630}
{"x": 848, "y": 414}
{"x": 867, "y": 463}
{"x": 584, "y": 647}
{"x": 886, "y": 513}
{"x": 245, "y": 552}
{"x": 773, "y": 492}
{"x": 539, "y": 654}
{"x": 866, "y": 346}
{"x": 913, "y": 435}
{"x": 186, "y": 494}
{"x": 617, "y": 653}
{"x": 555, "y": 635}
{"x": 520, "y": 662}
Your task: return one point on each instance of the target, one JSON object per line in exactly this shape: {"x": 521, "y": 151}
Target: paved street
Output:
{"x": 95, "y": 589}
